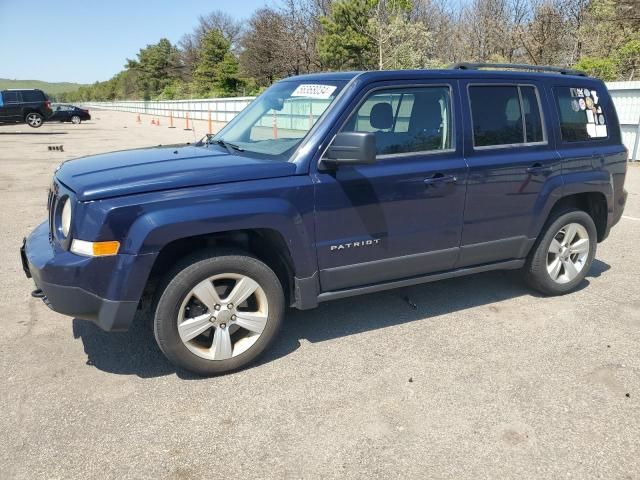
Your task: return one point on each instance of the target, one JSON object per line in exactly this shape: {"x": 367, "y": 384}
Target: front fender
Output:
{"x": 146, "y": 223}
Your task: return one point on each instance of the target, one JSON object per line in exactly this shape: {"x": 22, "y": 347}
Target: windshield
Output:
{"x": 276, "y": 122}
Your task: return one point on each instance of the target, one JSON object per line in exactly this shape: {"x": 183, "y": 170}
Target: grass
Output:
{"x": 47, "y": 87}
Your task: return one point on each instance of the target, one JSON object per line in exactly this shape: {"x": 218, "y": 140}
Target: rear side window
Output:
{"x": 32, "y": 96}
{"x": 505, "y": 115}
{"x": 581, "y": 116}
{"x": 11, "y": 97}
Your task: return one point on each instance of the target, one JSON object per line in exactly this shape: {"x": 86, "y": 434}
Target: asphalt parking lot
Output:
{"x": 482, "y": 379}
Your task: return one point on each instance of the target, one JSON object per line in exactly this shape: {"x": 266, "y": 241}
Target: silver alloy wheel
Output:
{"x": 223, "y": 316}
{"x": 568, "y": 253}
{"x": 75, "y": 119}
{"x": 34, "y": 120}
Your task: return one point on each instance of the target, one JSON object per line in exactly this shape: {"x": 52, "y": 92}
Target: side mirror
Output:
{"x": 351, "y": 148}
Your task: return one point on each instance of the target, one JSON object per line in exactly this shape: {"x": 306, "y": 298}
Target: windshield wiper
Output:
{"x": 229, "y": 146}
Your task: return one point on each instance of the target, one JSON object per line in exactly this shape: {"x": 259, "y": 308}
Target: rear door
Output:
{"x": 512, "y": 166}
{"x": 401, "y": 216}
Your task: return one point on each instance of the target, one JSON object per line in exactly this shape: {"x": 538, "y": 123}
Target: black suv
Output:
{"x": 30, "y": 106}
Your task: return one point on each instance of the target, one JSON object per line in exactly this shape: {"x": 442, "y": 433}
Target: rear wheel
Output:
{"x": 76, "y": 120}
{"x": 563, "y": 256}
{"x": 34, "y": 119}
{"x": 218, "y": 313}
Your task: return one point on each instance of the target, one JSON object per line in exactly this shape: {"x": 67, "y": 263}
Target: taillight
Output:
{"x": 47, "y": 104}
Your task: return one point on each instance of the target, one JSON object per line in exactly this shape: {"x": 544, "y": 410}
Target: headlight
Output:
{"x": 65, "y": 218}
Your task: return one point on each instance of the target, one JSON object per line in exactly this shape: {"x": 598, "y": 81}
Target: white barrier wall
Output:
{"x": 222, "y": 109}
{"x": 625, "y": 95}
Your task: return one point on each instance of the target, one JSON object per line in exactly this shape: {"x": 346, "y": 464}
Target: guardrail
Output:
{"x": 625, "y": 96}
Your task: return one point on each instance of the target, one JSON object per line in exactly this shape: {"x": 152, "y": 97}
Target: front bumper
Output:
{"x": 103, "y": 290}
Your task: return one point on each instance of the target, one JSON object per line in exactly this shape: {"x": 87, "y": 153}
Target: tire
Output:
{"x": 548, "y": 268}
{"x": 225, "y": 345}
{"x": 76, "y": 120}
{"x": 34, "y": 119}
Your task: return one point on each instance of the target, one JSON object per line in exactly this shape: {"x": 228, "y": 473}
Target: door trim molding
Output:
{"x": 386, "y": 269}
{"x": 350, "y": 292}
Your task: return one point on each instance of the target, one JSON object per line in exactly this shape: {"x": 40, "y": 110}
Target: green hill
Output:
{"x": 47, "y": 87}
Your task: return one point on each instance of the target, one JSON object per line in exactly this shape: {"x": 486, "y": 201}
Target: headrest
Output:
{"x": 381, "y": 116}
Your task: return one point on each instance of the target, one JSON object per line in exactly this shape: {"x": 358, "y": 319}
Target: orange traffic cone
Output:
{"x": 187, "y": 121}
{"x": 138, "y": 119}
{"x": 171, "y": 120}
{"x": 153, "y": 122}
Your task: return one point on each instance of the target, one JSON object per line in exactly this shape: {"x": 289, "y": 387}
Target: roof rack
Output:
{"x": 517, "y": 66}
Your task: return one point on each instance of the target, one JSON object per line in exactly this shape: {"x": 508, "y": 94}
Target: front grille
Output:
{"x": 51, "y": 203}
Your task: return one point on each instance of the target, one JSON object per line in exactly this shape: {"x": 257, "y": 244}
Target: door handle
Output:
{"x": 440, "y": 178}
{"x": 539, "y": 169}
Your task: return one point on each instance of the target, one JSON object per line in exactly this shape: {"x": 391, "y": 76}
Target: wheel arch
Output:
{"x": 592, "y": 202}
{"x": 266, "y": 244}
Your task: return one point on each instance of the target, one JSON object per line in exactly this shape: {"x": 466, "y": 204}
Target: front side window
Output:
{"x": 581, "y": 115}
{"x": 275, "y": 123}
{"x": 505, "y": 115}
{"x": 405, "y": 120}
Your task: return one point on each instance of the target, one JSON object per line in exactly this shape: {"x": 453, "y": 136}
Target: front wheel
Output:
{"x": 562, "y": 257}
{"x": 76, "y": 120}
{"x": 218, "y": 313}
{"x": 34, "y": 119}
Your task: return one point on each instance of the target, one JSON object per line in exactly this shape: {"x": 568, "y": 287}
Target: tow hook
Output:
{"x": 37, "y": 293}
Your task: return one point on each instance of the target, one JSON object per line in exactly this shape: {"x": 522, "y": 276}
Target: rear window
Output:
{"x": 32, "y": 96}
{"x": 582, "y": 118}
{"x": 505, "y": 115}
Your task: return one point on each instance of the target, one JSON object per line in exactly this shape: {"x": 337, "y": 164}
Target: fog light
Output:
{"x": 94, "y": 249}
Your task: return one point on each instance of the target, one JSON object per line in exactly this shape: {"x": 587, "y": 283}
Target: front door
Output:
{"x": 11, "y": 111}
{"x": 402, "y": 216}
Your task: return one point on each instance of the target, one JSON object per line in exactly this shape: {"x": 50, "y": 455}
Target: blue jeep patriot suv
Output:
{"x": 332, "y": 185}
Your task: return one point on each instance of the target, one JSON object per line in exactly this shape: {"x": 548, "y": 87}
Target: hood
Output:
{"x": 162, "y": 168}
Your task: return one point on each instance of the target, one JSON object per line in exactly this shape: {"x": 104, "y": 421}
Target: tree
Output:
{"x": 347, "y": 41}
{"x": 262, "y": 56}
{"x": 542, "y": 38}
{"x": 629, "y": 59}
{"x": 157, "y": 66}
{"x": 227, "y": 82}
{"x": 401, "y": 44}
{"x": 602, "y": 68}
{"x": 212, "y": 51}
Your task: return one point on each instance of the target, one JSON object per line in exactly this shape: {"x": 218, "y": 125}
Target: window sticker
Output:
{"x": 595, "y": 97}
{"x": 314, "y": 91}
{"x": 575, "y": 106}
{"x": 582, "y": 103}
{"x": 591, "y": 130}
{"x": 601, "y": 131}
{"x": 590, "y": 117}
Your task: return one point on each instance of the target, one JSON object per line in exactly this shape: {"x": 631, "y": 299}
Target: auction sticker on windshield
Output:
{"x": 310, "y": 90}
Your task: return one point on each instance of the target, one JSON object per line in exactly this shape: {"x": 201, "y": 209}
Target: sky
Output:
{"x": 89, "y": 40}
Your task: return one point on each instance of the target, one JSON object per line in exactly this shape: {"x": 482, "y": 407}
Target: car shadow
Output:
{"x": 135, "y": 352}
{"x": 33, "y": 133}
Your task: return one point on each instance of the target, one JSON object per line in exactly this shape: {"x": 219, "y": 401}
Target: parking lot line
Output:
{"x": 631, "y": 218}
